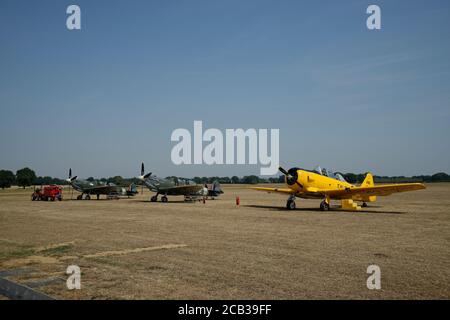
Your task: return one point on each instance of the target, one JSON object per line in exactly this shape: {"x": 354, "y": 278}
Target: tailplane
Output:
{"x": 368, "y": 181}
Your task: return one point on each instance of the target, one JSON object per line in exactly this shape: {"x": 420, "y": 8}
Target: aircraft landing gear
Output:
{"x": 325, "y": 205}
{"x": 98, "y": 197}
{"x": 154, "y": 198}
{"x": 164, "y": 199}
{"x": 87, "y": 197}
{"x": 80, "y": 197}
{"x": 364, "y": 205}
{"x": 290, "y": 205}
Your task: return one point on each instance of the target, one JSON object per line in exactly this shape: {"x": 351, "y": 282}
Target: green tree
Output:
{"x": 117, "y": 180}
{"x": 6, "y": 178}
{"x": 25, "y": 177}
{"x": 197, "y": 180}
{"x": 43, "y": 180}
{"x": 235, "y": 179}
{"x": 224, "y": 180}
{"x": 250, "y": 179}
{"x": 440, "y": 177}
{"x": 350, "y": 177}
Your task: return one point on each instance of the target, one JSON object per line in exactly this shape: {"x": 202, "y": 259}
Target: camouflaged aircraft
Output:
{"x": 177, "y": 187}
{"x": 97, "y": 188}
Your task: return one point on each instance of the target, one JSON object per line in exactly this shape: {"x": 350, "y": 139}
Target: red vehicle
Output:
{"x": 51, "y": 193}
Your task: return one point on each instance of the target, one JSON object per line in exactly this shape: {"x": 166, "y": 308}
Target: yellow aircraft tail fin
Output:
{"x": 368, "y": 181}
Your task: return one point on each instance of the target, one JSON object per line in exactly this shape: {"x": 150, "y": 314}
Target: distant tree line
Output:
{"x": 26, "y": 177}
{"x": 235, "y": 179}
{"x": 438, "y": 177}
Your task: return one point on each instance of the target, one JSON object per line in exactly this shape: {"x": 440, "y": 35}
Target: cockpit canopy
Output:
{"x": 329, "y": 173}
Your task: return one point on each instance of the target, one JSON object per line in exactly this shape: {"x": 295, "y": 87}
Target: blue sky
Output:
{"x": 105, "y": 98}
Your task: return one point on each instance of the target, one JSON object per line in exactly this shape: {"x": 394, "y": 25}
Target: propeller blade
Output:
{"x": 147, "y": 175}
{"x": 74, "y": 178}
{"x": 70, "y": 173}
{"x": 142, "y": 174}
{"x": 283, "y": 171}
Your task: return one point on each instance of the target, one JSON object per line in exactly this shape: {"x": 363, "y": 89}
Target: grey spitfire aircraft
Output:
{"x": 177, "y": 187}
{"x": 97, "y": 188}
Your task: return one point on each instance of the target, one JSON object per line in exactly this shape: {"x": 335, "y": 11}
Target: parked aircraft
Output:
{"x": 97, "y": 188}
{"x": 177, "y": 187}
{"x": 327, "y": 185}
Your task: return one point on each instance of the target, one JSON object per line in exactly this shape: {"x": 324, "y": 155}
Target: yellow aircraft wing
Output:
{"x": 277, "y": 190}
{"x": 377, "y": 190}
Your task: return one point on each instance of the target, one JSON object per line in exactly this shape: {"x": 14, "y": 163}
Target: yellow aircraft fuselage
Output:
{"x": 313, "y": 185}
{"x": 309, "y": 183}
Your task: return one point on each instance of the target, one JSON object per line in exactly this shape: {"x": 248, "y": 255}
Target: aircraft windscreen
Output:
{"x": 328, "y": 173}
{"x": 324, "y": 171}
{"x": 318, "y": 170}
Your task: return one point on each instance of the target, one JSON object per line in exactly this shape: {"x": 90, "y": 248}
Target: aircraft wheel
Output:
{"x": 154, "y": 199}
{"x": 80, "y": 197}
{"x": 164, "y": 199}
{"x": 290, "y": 205}
{"x": 324, "y": 206}
{"x": 364, "y": 205}
{"x": 88, "y": 197}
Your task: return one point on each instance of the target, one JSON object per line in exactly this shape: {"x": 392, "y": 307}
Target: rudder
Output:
{"x": 368, "y": 180}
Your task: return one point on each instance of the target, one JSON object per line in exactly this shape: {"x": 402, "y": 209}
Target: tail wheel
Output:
{"x": 324, "y": 206}
{"x": 290, "y": 205}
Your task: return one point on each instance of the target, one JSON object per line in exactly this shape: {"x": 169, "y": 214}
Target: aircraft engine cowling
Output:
{"x": 292, "y": 176}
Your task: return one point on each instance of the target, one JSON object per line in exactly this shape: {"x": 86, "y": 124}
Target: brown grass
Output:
{"x": 255, "y": 251}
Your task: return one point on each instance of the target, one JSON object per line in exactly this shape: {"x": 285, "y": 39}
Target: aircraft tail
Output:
{"x": 368, "y": 180}
{"x": 132, "y": 190}
{"x": 216, "y": 187}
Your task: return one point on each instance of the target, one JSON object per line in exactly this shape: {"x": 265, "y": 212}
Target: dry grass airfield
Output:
{"x": 134, "y": 249}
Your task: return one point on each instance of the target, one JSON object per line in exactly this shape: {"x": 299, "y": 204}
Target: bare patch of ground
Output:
{"x": 255, "y": 251}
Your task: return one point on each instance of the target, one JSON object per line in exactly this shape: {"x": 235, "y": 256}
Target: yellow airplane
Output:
{"x": 327, "y": 185}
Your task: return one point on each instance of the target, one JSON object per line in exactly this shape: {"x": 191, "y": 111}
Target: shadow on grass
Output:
{"x": 317, "y": 210}
{"x": 170, "y": 202}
